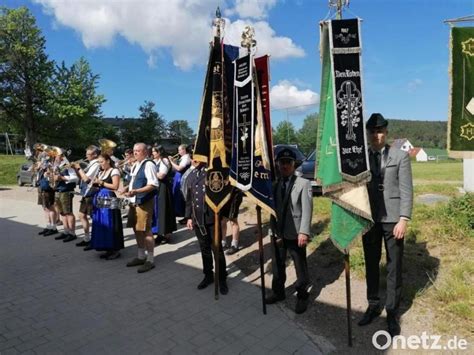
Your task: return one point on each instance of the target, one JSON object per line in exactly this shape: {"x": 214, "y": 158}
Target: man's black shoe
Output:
{"x": 223, "y": 287}
{"x": 50, "y": 232}
{"x": 43, "y": 231}
{"x": 82, "y": 243}
{"x": 274, "y": 299}
{"x": 301, "y": 306}
{"x": 370, "y": 314}
{"x": 61, "y": 236}
{"x": 393, "y": 325}
{"x": 70, "y": 238}
{"x": 232, "y": 250}
{"x": 88, "y": 247}
{"x": 205, "y": 282}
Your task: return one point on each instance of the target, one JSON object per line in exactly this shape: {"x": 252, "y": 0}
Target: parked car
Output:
{"x": 305, "y": 165}
{"x": 25, "y": 175}
{"x": 308, "y": 169}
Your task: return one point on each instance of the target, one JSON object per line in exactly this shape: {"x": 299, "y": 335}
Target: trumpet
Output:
{"x": 70, "y": 165}
{"x": 175, "y": 156}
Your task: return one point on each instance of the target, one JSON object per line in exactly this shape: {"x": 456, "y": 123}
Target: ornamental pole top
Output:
{"x": 248, "y": 40}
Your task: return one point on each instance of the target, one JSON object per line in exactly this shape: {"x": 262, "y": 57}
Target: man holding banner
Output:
{"x": 391, "y": 201}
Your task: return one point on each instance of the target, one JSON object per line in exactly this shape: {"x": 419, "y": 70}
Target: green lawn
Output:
{"x": 442, "y": 171}
{"x": 9, "y": 165}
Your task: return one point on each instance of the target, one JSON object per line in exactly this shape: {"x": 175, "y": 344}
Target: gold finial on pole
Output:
{"x": 338, "y": 5}
{"x": 248, "y": 40}
{"x": 218, "y": 22}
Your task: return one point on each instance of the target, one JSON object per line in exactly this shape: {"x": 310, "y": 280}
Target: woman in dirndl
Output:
{"x": 179, "y": 168}
{"x": 107, "y": 230}
{"x": 164, "y": 219}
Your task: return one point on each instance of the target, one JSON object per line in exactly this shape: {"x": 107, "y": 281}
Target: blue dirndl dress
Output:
{"x": 107, "y": 230}
{"x": 178, "y": 198}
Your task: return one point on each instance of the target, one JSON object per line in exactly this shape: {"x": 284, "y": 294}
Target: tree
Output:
{"x": 25, "y": 71}
{"x": 180, "y": 130}
{"x": 307, "y": 135}
{"x": 148, "y": 128}
{"x": 74, "y": 108}
{"x": 285, "y": 133}
{"x": 152, "y": 124}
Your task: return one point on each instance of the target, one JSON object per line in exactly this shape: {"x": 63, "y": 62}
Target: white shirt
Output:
{"x": 163, "y": 168}
{"x": 72, "y": 177}
{"x": 150, "y": 175}
{"x": 185, "y": 161}
{"x": 92, "y": 169}
{"x": 103, "y": 175}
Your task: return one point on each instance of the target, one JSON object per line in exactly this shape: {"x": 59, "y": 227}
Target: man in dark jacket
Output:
{"x": 200, "y": 218}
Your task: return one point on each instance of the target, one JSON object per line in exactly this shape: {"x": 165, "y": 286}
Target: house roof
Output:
{"x": 118, "y": 122}
{"x": 399, "y": 142}
{"x": 414, "y": 151}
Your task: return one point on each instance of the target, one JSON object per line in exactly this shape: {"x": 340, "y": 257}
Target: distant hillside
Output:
{"x": 425, "y": 134}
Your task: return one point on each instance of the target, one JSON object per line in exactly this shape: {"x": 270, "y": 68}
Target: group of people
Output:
{"x": 159, "y": 189}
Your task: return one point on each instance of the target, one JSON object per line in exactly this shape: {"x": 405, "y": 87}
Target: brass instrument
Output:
{"x": 175, "y": 156}
{"x": 41, "y": 147}
{"x": 80, "y": 162}
{"x": 53, "y": 170}
{"x": 107, "y": 146}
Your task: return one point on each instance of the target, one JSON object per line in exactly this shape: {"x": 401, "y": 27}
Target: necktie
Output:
{"x": 376, "y": 163}
{"x": 283, "y": 187}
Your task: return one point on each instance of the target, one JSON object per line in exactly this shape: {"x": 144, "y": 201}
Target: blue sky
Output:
{"x": 157, "y": 50}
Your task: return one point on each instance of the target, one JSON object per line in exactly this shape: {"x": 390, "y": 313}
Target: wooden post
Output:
{"x": 216, "y": 247}
{"x": 261, "y": 256}
{"x": 347, "y": 268}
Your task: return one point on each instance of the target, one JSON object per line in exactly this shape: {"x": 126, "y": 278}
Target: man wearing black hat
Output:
{"x": 291, "y": 229}
{"x": 391, "y": 200}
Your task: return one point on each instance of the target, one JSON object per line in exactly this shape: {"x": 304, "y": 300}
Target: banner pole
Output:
{"x": 216, "y": 242}
{"x": 347, "y": 268}
{"x": 261, "y": 257}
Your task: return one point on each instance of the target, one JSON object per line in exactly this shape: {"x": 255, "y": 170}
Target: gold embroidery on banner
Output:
{"x": 468, "y": 47}
{"x": 467, "y": 131}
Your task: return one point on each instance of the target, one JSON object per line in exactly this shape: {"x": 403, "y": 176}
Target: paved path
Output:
{"x": 56, "y": 298}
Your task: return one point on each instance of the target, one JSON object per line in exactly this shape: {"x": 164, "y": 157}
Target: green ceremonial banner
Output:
{"x": 461, "y": 113}
{"x": 346, "y": 224}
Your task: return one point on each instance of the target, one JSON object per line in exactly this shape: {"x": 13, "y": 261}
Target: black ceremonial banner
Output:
{"x": 243, "y": 137}
{"x": 348, "y": 102}
{"x": 211, "y": 145}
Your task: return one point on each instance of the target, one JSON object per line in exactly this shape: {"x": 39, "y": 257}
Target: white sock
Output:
{"x": 150, "y": 257}
{"x": 53, "y": 226}
{"x": 235, "y": 243}
{"x": 48, "y": 226}
{"x": 141, "y": 253}
{"x": 87, "y": 237}
{"x": 72, "y": 232}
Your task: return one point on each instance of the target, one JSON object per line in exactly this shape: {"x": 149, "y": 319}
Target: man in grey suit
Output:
{"x": 291, "y": 229}
{"x": 391, "y": 201}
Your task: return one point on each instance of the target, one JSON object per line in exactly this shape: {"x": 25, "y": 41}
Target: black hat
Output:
{"x": 286, "y": 153}
{"x": 376, "y": 120}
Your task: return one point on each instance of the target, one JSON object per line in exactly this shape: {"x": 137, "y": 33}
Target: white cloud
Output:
{"x": 285, "y": 95}
{"x": 181, "y": 27}
{"x": 414, "y": 84}
{"x": 256, "y": 9}
{"x": 267, "y": 41}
